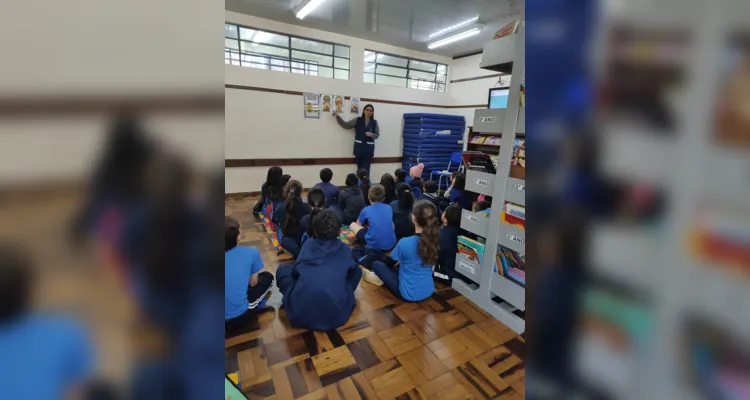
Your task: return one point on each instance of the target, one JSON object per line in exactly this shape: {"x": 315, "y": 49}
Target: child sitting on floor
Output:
{"x": 445, "y": 269}
{"x": 319, "y": 287}
{"x": 245, "y": 287}
{"x": 389, "y": 184}
{"x": 402, "y": 212}
{"x": 316, "y": 199}
{"x": 378, "y": 217}
{"x": 430, "y": 193}
{"x": 482, "y": 207}
{"x": 272, "y": 178}
{"x": 415, "y": 173}
{"x": 291, "y": 216}
{"x": 331, "y": 191}
{"x": 456, "y": 193}
{"x": 414, "y": 256}
{"x": 400, "y": 178}
{"x": 276, "y": 201}
{"x": 351, "y": 201}
{"x": 364, "y": 184}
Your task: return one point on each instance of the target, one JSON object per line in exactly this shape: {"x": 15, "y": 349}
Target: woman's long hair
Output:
{"x": 276, "y": 192}
{"x": 373, "y": 112}
{"x": 460, "y": 181}
{"x": 293, "y": 199}
{"x": 426, "y": 217}
{"x": 389, "y": 184}
{"x": 316, "y": 198}
{"x": 405, "y": 198}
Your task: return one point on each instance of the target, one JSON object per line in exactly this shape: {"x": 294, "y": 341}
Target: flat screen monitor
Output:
{"x": 498, "y": 98}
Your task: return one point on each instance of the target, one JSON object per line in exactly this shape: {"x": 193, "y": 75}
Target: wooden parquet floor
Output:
{"x": 441, "y": 348}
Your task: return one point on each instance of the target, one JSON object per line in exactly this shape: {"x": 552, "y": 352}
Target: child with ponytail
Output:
{"x": 291, "y": 216}
{"x": 316, "y": 199}
{"x": 414, "y": 257}
{"x": 402, "y": 212}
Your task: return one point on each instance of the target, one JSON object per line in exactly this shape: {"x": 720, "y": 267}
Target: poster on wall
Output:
{"x": 326, "y": 102}
{"x": 312, "y": 105}
{"x": 355, "y": 106}
{"x": 338, "y": 104}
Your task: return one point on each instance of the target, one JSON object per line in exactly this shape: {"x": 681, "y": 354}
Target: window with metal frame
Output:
{"x": 254, "y": 48}
{"x": 387, "y": 69}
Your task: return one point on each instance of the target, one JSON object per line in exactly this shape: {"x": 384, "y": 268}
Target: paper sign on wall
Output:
{"x": 338, "y": 104}
{"x": 325, "y": 101}
{"x": 354, "y": 105}
{"x": 312, "y": 105}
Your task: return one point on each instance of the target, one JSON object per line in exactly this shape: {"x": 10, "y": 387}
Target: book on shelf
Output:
{"x": 471, "y": 248}
{"x": 515, "y": 210}
{"x": 508, "y": 30}
{"x": 478, "y": 139}
{"x": 510, "y": 264}
{"x": 493, "y": 141}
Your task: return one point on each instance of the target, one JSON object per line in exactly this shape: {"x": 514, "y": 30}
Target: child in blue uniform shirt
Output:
{"x": 415, "y": 256}
{"x": 378, "y": 217}
{"x": 331, "y": 191}
{"x": 245, "y": 287}
{"x": 445, "y": 270}
{"x": 319, "y": 287}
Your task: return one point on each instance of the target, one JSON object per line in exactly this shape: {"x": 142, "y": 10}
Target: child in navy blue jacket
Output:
{"x": 445, "y": 269}
{"x": 331, "y": 191}
{"x": 319, "y": 287}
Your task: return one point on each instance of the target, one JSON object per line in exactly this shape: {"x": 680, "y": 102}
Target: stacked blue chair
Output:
{"x": 422, "y": 143}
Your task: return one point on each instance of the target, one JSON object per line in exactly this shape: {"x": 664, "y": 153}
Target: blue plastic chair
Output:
{"x": 455, "y": 158}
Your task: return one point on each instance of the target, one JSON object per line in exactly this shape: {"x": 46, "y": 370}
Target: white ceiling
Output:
{"x": 403, "y": 23}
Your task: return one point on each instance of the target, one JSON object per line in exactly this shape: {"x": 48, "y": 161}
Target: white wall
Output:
{"x": 271, "y": 125}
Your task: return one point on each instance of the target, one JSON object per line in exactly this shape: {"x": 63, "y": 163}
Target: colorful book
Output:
{"x": 471, "y": 248}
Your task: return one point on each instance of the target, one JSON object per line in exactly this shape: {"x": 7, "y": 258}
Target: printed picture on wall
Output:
{"x": 338, "y": 103}
{"x": 312, "y": 105}
{"x": 355, "y": 105}
{"x": 326, "y": 102}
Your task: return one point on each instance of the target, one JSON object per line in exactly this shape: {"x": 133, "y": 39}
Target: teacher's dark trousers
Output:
{"x": 363, "y": 162}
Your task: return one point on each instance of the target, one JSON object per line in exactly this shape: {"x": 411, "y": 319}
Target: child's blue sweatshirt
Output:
{"x": 322, "y": 297}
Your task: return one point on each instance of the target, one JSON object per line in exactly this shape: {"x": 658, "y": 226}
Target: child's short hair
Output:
{"x": 231, "y": 233}
{"x": 430, "y": 187}
{"x": 481, "y": 206}
{"x": 326, "y": 175}
{"x": 376, "y": 193}
{"x": 400, "y": 174}
{"x": 352, "y": 180}
{"x": 453, "y": 215}
{"x": 326, "y": 224}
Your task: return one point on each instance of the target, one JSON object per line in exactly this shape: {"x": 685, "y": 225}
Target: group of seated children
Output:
{"x": 406, "y": 242}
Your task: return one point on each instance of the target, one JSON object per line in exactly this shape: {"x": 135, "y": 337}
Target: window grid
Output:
{"x": 371, "y": 72}
{"x": 276, "y": 62}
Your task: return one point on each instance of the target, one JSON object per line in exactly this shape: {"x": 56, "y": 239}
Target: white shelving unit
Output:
{"x": 492, "y": 292}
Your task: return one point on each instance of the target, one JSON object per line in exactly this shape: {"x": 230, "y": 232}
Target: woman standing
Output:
{"x": 366, "y": 130}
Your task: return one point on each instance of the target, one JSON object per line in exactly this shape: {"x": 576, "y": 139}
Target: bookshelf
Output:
{"x": 496, "y": 288}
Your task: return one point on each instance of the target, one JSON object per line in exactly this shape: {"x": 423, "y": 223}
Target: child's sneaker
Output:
{"x": 370, "y": 276}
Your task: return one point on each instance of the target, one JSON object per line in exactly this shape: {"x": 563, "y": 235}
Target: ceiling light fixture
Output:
{"x": 454, "y": 27}
{"x": 306, "y": 7}
{"x": 453, "y": 38}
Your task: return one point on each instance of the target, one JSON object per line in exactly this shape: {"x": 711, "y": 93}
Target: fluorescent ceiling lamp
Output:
{"x": 454, "y": 27}
{"x": 453, "y": 38}
{"x": 306, "y": 7}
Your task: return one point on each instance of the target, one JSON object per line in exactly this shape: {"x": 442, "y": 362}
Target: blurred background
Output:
{"x": 647, "y": 199}
{"x": 111, "y": 131}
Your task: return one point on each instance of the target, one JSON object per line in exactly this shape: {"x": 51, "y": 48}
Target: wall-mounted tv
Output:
{"x": 498, "y": 98}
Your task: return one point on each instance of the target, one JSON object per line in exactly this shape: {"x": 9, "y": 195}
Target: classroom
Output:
{"x": 363, "y": 156}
